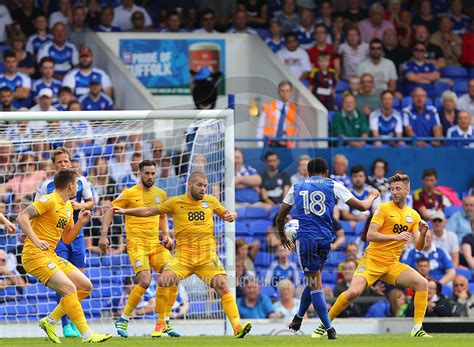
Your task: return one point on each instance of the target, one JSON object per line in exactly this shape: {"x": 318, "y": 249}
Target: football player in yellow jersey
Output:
{"x": 392, "y": 224}
{"x": 45, "y": 222}
{"x": 143, "y": 246}
{"x": 195, "y": 245}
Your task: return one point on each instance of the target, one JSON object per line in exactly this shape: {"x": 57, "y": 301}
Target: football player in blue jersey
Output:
{"x": 76, "y": 251}
{"x": 313, "y": 200}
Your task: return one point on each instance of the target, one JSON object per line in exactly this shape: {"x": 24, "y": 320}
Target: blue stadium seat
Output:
{"x": 342, "y": 86}
{"x": 250, "y": 212}
{"x": 44, "y": 308}
{"x": 338, "y": 100}
{"x": 396, "y": 103}
{"x": 92, "y": 260}
{"x": 105, "y": 260}
{"x": 335, "y": 258}
{"x": 241, "y": 229}
{"x": 449, "y": 211}
{"x": 439, "y": 88}
{"x": 92, "y": 308}
{"x": 263, "y": 259}
{"x": 454, "y": 72}
{"x": 273, "y": 212}
{"x": 346, "y": 226}
{"x": 471, "y": 287}
{"x": 197, "y": 307}
{"x": 359, "y": 228}
{"x": 330, "y": 115}
{"x": 460, "y": 86}
{"x": 471, "y": 72}
{"x": 464, "y": 272}
{"x": 37, "y": 290}
{"x": 438, "y": 103}
{"x": 263, "y": 33}
{"x": 269, "y": 291}
{"x": 259, "y": 227}
{"x": 329, "y": 276}
{"x": 447, "y": 290}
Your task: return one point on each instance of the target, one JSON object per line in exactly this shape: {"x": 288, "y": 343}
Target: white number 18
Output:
{"x": 314, "y": 202}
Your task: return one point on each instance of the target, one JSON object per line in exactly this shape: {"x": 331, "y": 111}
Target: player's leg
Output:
{"x": 77, "y": 257}
{"x": 412, "y": 279}
{"x": 168, "y": 278}
{"x": 64, "y": 251}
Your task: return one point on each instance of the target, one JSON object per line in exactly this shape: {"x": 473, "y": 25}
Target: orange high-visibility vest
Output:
{"x": 271, "y": 123}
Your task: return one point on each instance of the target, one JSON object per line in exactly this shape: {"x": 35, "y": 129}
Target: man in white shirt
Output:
{"x": 123, "y": 14}
{"x": 62, "y": 16}
{"x": 443, "y": 238}
{"x": 5, "y": 21}
{"x": 44, "y": 103}
{"x": 240, "y": 24}
{"x": 383, "y": 70}
{"x": 466, "y": 102}
{"x": 294, "y": 57}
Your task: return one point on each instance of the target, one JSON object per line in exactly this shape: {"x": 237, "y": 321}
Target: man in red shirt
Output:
{"x": 428, "y": 200}
{"x": 321, "y": 45}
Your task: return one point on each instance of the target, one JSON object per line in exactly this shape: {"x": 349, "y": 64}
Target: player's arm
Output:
{"x": 340, "y": 239}
{"x": 137, "y": 212}
{"x": 373, "y": 235}
{"x": 104, "y": 239}
{"x": 24, "y": 221}
{"x": 348, "y": 198}
{"x": 223, "y": 213}
{"x": 283, "y": 212}
{"x": 11, "y": 229}
{"x": 72, "y": 230}
{"x": 419, "y": 235}
{"x": 88, "y": 204}
{"x": 165, "y": 232}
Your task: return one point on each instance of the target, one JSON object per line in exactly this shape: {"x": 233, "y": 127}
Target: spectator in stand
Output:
{"x": 240, "y": 24}
{"x": 287, "y": 306}
{"x": 448, "y": 114}
{"x": 223, "y": 9}
{"x": 25, "y": 16}
{"x": 96, "y": 99}
{"x": 272, "y": 238}
{"x": 46, "y": 67}
{"x": 133, "y": 176}
{"x": 426, "y": 17}
{"x": 383, "y": 70}
{"x": 360, "y": 190}
{"x": 462, "y": 298}
{"x": 438, "y": 304}
{"x": 423, "y": 267}
{"x": 63, "y": 52}
{"x": 119, "y": 163}
{"x": 26, "y": 62}
{"x": 77, "y": 25}
{"x": 17, "y": 81}
{"x": 246, "y": 253}
{"x": 44, "y": 101}
{"x": 464, "y": 130}
{"x": 340, "y": 164}
{"x": 63, "y": 15}
{"x": 92, "y": 231}
{"x": 173, "y": 21}
{"x": 64, "y": 98}
{"x": 275, "y": 41}
{"x": 466, "y": 102}
{"x": 392, "y": 50}
{"x": 449, "y": 42}
{"x": 340, "y": 236}
{"x": 305, "y": 29}
{"x": 419, "y": 72}
{"x": 378, "y": 179}
{"x": 5, "y": 24}
{"x": 353, "y": 52}
{"x": 254, "y": 304}
{"x": 101, "y": 180}
{"x": 459, "y": 222}
{"x": 321, "y": 46}
{"x": 79, "y": 78}
{"x": 93, "y": 13}
{"x": 354, "y": 13}
{"x": 375, "y": 25}
{"x": 337, "y": 32}
{"x": 123, "y": 15}
{"x": 257, "y": 12}
{"x": 106, "y": 19}
{"x": 279, "y": 118}
{"x": 350, "y": 122}
{"x": 428, "y": 200}
{"x": 10, "y": 280}
{"x": 386, "y": 121}
{"x": 208, "y": 21}
{"x": 27, "y": 178}
{"x": 40, "y": 37}
{"x": 326, "y": 16}
{"x": 7, "y": 168}
{"x": 441, "y": 264}
{"x": 394, "y": 306}
{"x": 323, "y": 81}
{"x": 6, "y": 100}
{"x": 275, "y": 183}
{"x": 294, "y": 57}
{"x": 433, "y": 53}
{"x": 467, "y": 249}
{"x": 445, "y": 239}
{"x": 247, "y": 182}
{"x": 354, "y": 85}
{"x": 422, "y": 120}
{"x": 368, "y": 100}
{"x": 282, "y": 268}
{"x": 288, "y": 17}
{"x": 459, "y": 20}
{"x": 302, "y": 172}
{"x": 186, "y": 8}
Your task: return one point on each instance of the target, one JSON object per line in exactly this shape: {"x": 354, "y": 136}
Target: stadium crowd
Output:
{"x": 382, "y": 71}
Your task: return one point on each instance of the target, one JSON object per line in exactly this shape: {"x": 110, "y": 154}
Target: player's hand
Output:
{"x": 230, "y": 216}
{"x": 405, "y": 236}
{"x": 286, "y": 242}
{"x": 375, "y": 193}
{"x": 167, "y": 242}
{"x": 10, "y": 227}
{"x": 103, "y": 243}
{"x": 84, "y": 215}
{"x": 117, "y": 210}
{"x": 423, "y": 227}
{"x": 76, "y": 205}
{"x": 378, "y": 288}
{"x": 43, "y": 245}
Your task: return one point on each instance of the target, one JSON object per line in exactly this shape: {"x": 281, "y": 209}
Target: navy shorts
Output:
{"x": 312, "y": 254}
{"x": 75, "y": 253}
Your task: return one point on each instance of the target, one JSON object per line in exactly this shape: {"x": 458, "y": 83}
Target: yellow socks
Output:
{"x": 161, "y": 303}
{"x": 59, "y": 310}
{"x": 420, "y": 302}
{"x": 339, "y": 306}
{"x": 73, "y": 309}
{"x": 230, "y": 309}
{"x": 172, "y": 294}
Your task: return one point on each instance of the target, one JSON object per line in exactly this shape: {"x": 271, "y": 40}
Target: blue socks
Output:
{"x": 304, "y": 303}
{"x": 64, "y": 319}
{"x": 319, "y": 303}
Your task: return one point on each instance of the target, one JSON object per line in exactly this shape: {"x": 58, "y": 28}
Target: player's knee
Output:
{"x": 168, "y": 279}
{"x": 219, "y": 283}
{"x": 353, "y": 293}
{"x": 421, "y": 284}
{"x": 144, "y": 282}
{"x": 85, "y": 285}
{"x": 68, "y": 288}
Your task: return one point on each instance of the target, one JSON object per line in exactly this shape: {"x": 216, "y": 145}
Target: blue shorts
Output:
{"x": 75, "y": 253}
{"x": 312, "y": 254}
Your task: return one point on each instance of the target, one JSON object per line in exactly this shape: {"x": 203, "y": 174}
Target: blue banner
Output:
{"x": 163, "y": 65}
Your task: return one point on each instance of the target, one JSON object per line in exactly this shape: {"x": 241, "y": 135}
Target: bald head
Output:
{"x": 197, "y": 175}
{"x": 468, "y": 205}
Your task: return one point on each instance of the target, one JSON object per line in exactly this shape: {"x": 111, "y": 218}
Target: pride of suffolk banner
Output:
{"x": 163, "y": 65}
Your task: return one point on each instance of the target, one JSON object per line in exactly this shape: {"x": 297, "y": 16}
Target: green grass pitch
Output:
{"x": 439, "y": 340}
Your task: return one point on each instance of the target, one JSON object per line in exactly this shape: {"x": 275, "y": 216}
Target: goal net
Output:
{"x": 107, "y": 153}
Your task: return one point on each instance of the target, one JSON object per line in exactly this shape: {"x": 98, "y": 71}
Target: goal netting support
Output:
{"x": 107, "y": 147}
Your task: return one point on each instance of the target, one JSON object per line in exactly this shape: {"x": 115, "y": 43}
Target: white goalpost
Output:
{"x": 106, "y": 148}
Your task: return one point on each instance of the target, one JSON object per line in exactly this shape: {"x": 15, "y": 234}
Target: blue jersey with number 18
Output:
{"x": 313, "y": 200}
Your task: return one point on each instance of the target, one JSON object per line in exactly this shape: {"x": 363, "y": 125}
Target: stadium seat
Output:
{"x": 330, "y": 115}
{"x": 335, "y": 258}
{"x": 263, "y": 33}
{"x": 447, "y": 290}
{"x": 464, "y": 272}
{"x": 471, "y": 287}
{"x": 105, "y": 260}
{"x": 269, "y": 291}
{"x": 241, "y": 229}
{"x": 338, "y": 100}
{"x": 342, "y": 86}
{"x": 263, "y": 259}
{"x": 460, "y": 87}
{"x": 438, "y": 103}
{"x": 92, "y": 260}
{"x": 273, "y": 212}
{"x": 250, "y": 212}
{"x": 329, "y": 276}
{"x": 346, "y": 226}
{"x": 259, "y": 227}
{"x": 454, "y": 72}
{"x": 359, "y": 228}
{"x": 439, "y": 88}
{"x": 450, "y": 210}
